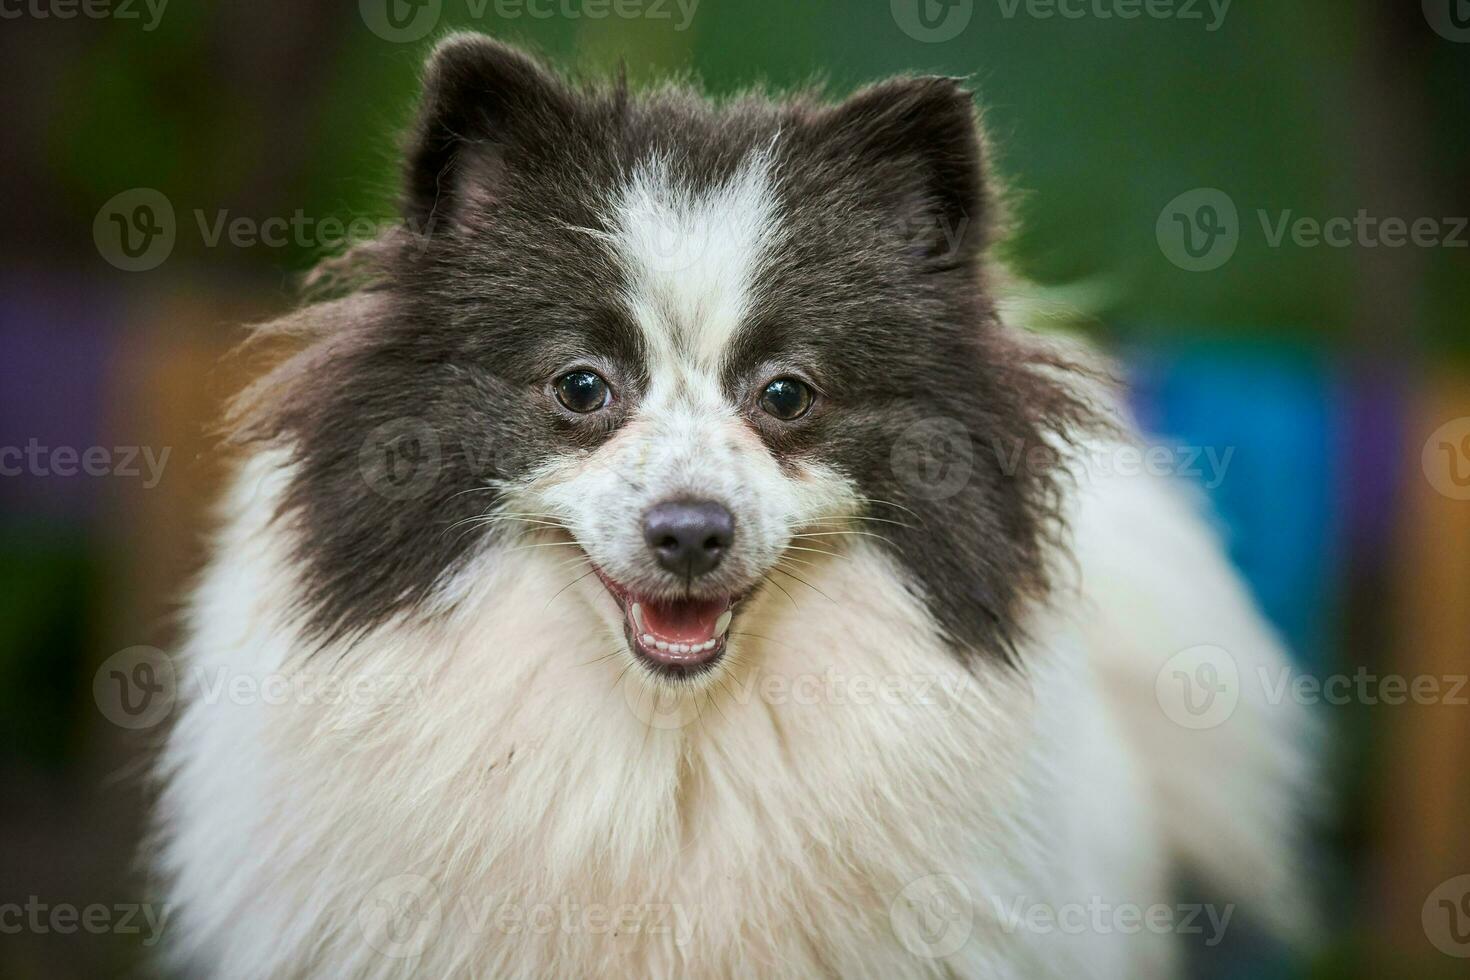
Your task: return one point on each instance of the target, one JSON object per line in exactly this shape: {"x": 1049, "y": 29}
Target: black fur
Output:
{"x": 877, "y": 292}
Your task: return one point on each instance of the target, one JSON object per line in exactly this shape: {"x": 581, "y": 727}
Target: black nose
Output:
{"x": 689, "y": 537}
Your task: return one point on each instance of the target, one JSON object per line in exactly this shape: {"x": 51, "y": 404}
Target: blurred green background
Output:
{"x": 1329, "y": 370}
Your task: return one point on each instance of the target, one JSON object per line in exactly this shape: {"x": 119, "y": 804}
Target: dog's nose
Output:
{"x": 689, "y": 537}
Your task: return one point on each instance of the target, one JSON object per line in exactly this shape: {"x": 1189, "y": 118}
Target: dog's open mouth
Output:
{"x": 675, "y": 636}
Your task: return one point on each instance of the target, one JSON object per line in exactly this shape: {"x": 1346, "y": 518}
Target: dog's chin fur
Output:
{"x": 938, "y": 721}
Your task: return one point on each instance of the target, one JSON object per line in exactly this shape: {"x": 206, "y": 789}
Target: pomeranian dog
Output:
{"x": 675, "y": 561}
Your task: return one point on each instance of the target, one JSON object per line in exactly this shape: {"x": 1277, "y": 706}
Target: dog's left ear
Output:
{"x": 918, "y": 154}
{"x": 487, "y": 111}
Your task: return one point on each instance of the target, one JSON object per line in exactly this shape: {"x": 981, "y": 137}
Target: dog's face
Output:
{"x": 701, "y": 346}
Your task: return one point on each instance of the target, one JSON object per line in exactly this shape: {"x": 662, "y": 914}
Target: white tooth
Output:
{"x": 707, "y": 645}
{"x": 681, "y": 648}
{"x": 638, "y": 618}
{"x": 647, "y": 639}
{"x": 661, "y": 645}
{"x": 723, "y": 623}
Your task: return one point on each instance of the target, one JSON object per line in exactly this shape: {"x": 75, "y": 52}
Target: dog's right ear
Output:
{"x": 482, "y": 101}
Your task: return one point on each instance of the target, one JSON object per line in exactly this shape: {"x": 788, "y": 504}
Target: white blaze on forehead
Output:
{"x": 692, "y": 256}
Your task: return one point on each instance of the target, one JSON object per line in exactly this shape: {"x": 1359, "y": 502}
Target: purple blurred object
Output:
{"x": 56, "y": 349}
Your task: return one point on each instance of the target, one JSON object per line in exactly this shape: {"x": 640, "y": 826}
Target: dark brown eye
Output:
{"x": 786, "y": 399}
{"x": 582, "y": 392}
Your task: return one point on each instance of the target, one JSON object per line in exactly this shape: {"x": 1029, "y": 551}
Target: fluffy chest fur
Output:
{"x": 449, "y": 815}
{"x": 711, "y": 627}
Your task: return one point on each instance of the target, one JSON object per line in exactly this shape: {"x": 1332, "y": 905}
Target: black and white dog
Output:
{"x": 675, "y": 564}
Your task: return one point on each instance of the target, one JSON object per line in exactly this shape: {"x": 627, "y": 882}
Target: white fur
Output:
{"x": 692, "y": 258}
{"x": 839, "y": 798}
{"x": 692, "y": 261}
{"x": 525, "y": 769}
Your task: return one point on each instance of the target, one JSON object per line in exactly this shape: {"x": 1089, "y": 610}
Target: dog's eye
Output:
{"x": 787, "y": 399}
{"x": 582, "y": 392}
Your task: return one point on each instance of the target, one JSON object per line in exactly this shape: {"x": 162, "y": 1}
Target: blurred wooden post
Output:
{"x": 1422, "y": 825}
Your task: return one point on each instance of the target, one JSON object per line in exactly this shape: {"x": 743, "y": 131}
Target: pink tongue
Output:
{"x": 683, "y": 621}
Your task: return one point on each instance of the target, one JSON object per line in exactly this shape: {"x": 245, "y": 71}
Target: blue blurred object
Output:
{"x": 1304, "y": 466}
{"x": 1279, "y": 411}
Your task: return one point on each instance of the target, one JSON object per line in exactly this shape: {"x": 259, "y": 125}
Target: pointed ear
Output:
{"x": 482, "y": 103}
{"x": 917, "y": 152}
